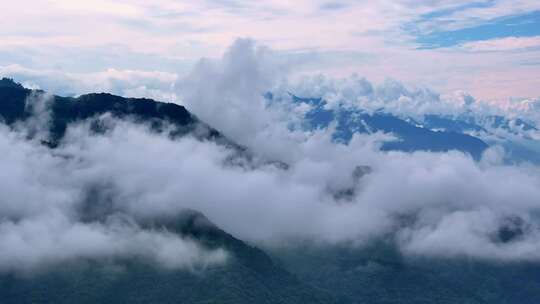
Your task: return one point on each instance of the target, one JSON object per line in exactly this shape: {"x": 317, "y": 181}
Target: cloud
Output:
{"x": 47, "y": 220}
{"x": 502, "y": 44}
{"x": 99, "y": 6}
{"x": 261, "y": 203}
{"x": 38, "y": 124}
{"x": 229, "y": 93}
{"x": 358, "y": 92}
{"x": 371, "y": 39}
{"x": 151, "y": 84}
{"x": 333, "y": 6}
{"x": 36, "y": 243}
{"x": 129, "y": 175}
{"x": 432, "y": 188}
{"x": 467, "y": 14}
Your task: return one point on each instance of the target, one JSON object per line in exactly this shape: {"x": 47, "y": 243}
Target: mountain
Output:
{"x": 249, "y": 276}
{"x": 516, "y": 135}
{"x": 65, "y": 110}
{"x": 411, "y": 136}
{"x": 470, "y": 123}
{"x": 467, "y": 132}
{"x": 16, "y": 104}
{"x": 379, "y": 274}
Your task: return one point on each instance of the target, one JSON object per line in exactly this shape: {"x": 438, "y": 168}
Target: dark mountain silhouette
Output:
{"x": 410, "y": 136}
{"x": 66, "y": 110}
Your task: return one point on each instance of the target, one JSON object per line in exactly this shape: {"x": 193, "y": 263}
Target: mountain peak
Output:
{"x": 10, "y": 83}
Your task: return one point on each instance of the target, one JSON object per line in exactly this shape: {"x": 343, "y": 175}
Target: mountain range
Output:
{"x": 256, "y": 273}
{"x": 436, "y": 132}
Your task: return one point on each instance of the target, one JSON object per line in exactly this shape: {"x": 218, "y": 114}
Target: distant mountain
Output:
{"x": 469, "y": 123}
{"x": 514, "y": 134}
{"x": 467, "y": 132}
{"x": 411, "y": 136}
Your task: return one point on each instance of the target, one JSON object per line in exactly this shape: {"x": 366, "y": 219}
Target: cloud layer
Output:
{"x": 55, "y": 209}
{"x": 435, "y": 204}
{"x": 444, "y": 196}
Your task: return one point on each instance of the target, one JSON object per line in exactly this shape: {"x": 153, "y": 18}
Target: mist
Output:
{"x": 430, "y": 204}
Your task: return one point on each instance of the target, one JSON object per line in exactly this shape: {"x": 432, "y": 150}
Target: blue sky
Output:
{"x": 522, "y": 25}
{"x": 489, "y": 48}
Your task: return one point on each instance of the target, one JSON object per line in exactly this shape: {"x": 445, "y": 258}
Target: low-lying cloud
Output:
{"x": 33, "y": 243}
{"x": 54, "y": 210}
{"x": 430, "y": 189}
{"x": 435, "y": 204}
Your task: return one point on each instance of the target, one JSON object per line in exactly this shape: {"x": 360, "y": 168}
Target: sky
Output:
{"x": 490, "y": 49}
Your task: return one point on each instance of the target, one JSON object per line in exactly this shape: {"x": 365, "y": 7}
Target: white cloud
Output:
{"x": 145, "y": 175}
{"x": 130, "y": 83}
{"x": 41, "y": 227}
{"x": 98, "y": 6}
{"x": 502, "y": 44}
{"x": 35, "y": 243}
{"x": 478, "y": 15}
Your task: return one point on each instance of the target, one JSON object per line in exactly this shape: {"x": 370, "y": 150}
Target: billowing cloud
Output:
{"x": 328, "y": 193}
{"x": 422, "y": 199}
{"x": 151, "y": 84}
{"x": 38, "y": 242}
{"x": 46, "y": 219}
{"x": 433, "y": 189}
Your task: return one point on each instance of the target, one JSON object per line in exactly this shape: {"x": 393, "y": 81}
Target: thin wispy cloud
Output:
{"x": 176, "y": 33}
